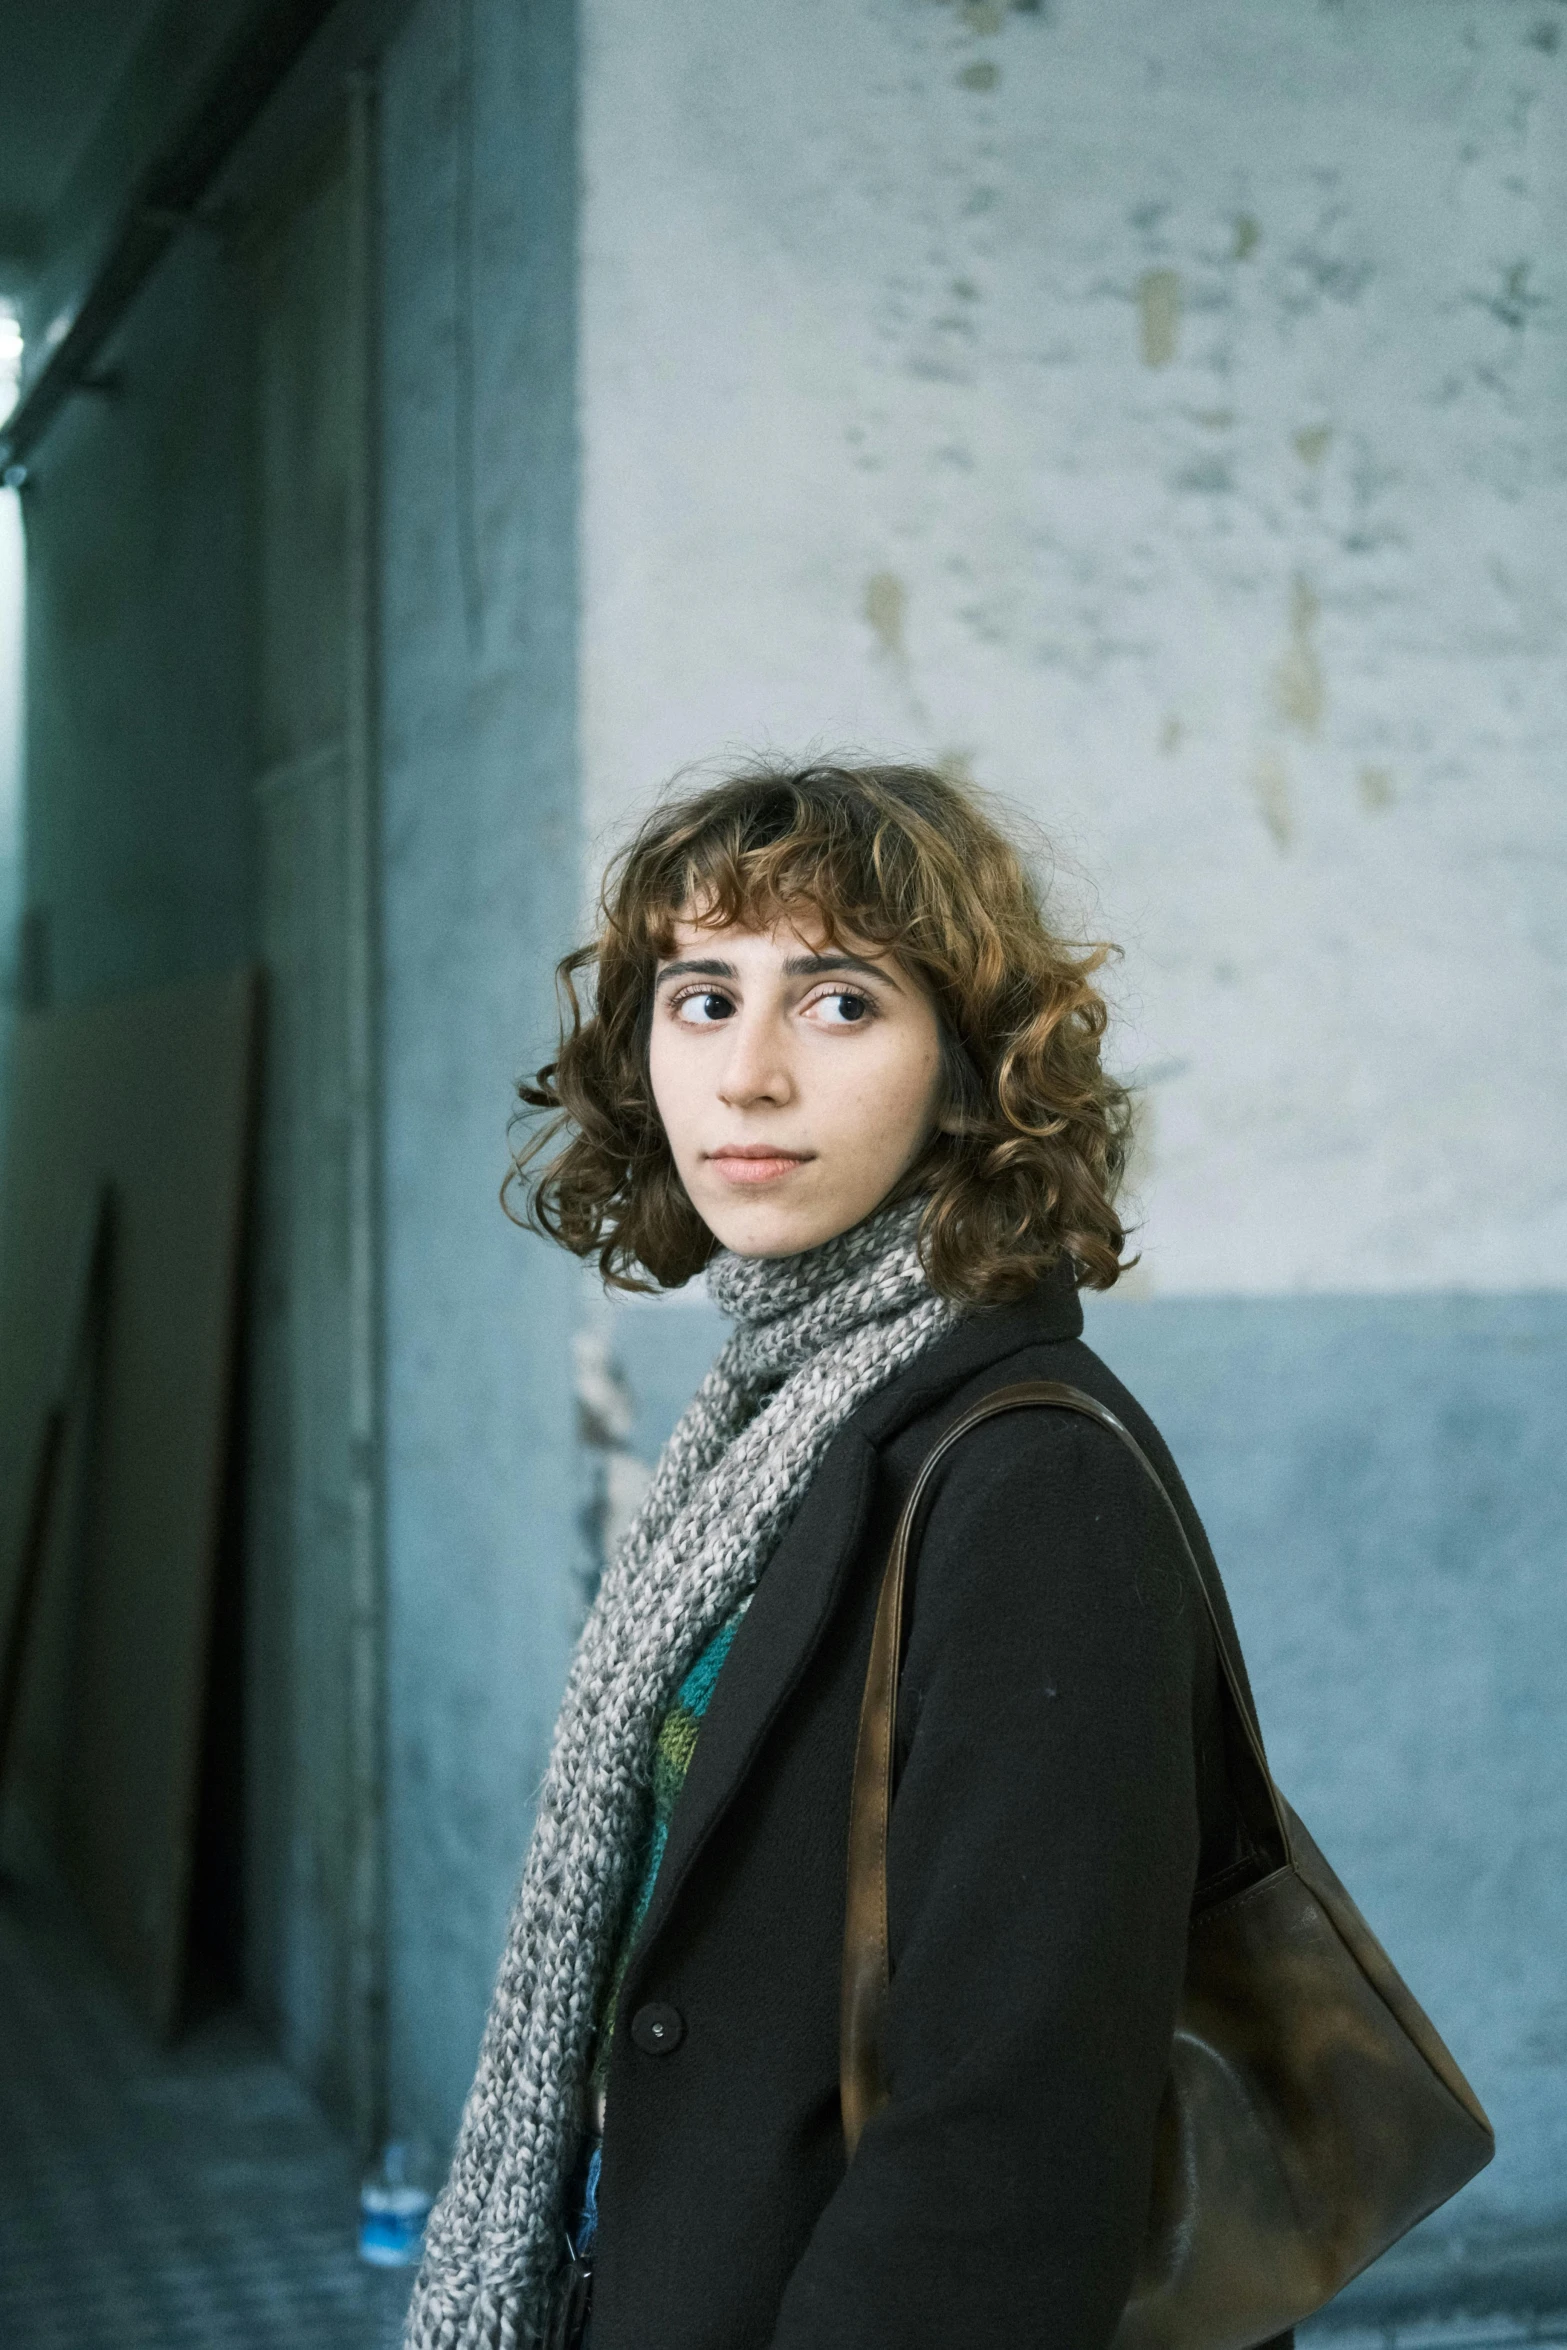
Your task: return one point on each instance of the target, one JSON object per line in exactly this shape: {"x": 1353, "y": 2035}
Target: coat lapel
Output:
{"x": 798, "y": 1592}
{"x": 793, "y": 1603}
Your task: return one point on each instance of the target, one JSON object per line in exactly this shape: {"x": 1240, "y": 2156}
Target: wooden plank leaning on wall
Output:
{"x": 148, "y": 1099}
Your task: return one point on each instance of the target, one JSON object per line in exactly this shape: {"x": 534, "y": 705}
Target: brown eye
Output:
{"x": 703, "y": 1009}
{"x": 842, "y": 1008}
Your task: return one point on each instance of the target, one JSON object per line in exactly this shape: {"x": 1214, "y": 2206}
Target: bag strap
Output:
{"x": 866, "y": 1963}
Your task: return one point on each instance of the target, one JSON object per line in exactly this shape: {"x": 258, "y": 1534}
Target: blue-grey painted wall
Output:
{"x": 481, "y": 884}
{"x": 1383, "y": 1481}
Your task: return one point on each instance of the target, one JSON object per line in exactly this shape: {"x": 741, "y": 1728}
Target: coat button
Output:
{"x": 658, "y": 2030}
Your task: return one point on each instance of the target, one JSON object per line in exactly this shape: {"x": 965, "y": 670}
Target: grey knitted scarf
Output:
{"x": 815, "y": 1335}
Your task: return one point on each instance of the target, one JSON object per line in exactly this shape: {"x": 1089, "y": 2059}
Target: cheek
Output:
{"x": 889, "y": 1108}
{"x": 922, "y": 1099}
{"x": 666, "y": 1080}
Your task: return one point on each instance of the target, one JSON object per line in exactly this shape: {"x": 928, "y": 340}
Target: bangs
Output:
{"x": 820, "y": 862}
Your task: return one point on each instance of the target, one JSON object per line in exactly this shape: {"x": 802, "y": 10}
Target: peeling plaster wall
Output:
{"x": 1157, "y": 413}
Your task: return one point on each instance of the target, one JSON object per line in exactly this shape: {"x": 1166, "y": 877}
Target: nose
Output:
{"x": 755, "y": 1070}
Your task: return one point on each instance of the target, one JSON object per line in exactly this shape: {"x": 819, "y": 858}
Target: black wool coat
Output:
{"x": 1062, "y": 1789}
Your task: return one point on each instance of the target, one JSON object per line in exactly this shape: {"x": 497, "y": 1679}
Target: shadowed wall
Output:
{"x": 481, "y": 877}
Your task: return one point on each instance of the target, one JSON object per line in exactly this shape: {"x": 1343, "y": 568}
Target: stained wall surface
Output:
{"x": 1155, "y": 415}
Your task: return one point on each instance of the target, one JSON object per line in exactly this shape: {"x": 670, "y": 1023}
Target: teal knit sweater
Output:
{"x": 672, "y": 1753}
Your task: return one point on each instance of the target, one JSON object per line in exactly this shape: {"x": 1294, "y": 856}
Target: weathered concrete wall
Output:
{"x": 12, "y": 598}
{"x": 1154, "y": 410}
{"x": 188, "y": 540}
{"x": 314, "y": 1910}
{"x": 481, "y": 877}
{"x": 180, "y": 530}
{"x": 1154, "y": 414}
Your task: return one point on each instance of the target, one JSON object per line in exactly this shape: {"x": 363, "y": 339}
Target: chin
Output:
{"x": 761, "y": 1240}
{"x": 778, "y": 1234}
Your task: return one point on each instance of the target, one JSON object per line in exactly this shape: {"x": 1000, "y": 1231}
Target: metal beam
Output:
{"x": 244, "y": 76}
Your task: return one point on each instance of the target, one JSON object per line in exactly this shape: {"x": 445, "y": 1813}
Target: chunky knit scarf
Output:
{"x": 815, "y": 1335}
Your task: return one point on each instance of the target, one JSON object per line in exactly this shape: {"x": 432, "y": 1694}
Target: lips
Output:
{"x": 755, "y": 1163}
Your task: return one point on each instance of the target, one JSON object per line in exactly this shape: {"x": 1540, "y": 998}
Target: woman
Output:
{"x": 835, "y": 1056}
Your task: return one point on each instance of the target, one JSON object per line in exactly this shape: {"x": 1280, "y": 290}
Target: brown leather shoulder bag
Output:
{"x": 1311, "y": 2115}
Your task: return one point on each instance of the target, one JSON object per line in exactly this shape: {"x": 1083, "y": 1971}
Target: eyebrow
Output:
{"x": 797, "y": 967}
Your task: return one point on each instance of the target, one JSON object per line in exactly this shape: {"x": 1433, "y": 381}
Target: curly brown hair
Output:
{"x": 1035, "y": 1131}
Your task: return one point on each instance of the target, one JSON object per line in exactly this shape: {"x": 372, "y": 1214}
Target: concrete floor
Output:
{"x": 155, "y": 2199}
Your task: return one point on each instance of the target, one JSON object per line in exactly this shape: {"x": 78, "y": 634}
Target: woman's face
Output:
{"x": 797, "y": 1081}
